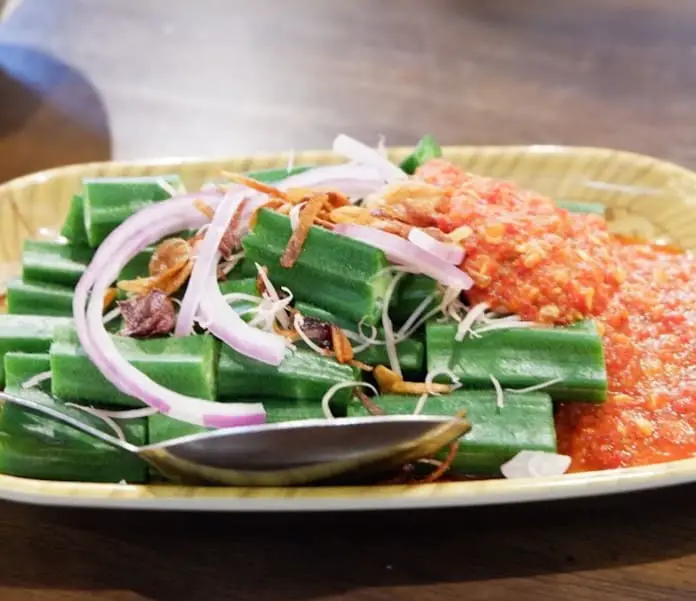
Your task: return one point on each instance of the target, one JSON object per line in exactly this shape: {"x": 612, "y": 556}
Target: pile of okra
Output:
{"x": 333, "y": 281}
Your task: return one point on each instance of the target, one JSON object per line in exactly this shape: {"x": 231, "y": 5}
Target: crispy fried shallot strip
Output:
{"x": 360, "y": 365}
{"x": 172, "y": 253}
{"x": 341, "y": 345}
{"x": 249, "y": 182}
{"x": 169, "y": 268}
{"x": 407, "y": 473}
{"x": 337, "y": 199}
{"x": 351, "y": 214}
{"x": 370, "y": 406}
{"x": 290, "y": 335}
{"x": 297, "y": 240}
{"x": 168, "y": 282}
{"x": 389, "y": 382}
{"x": 444, "y": 466}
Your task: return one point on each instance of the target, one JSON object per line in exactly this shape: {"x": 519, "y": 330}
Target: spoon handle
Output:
{"x": 35, "y": 407}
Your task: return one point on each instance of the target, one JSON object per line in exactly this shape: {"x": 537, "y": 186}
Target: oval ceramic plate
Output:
{"x": 645, "y": 197}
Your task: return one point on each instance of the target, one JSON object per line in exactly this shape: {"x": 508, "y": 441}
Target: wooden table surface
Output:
{"x": 88, "y": 80}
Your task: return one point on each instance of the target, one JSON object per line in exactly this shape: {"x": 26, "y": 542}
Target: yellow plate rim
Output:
{"x": 466, "y": 493}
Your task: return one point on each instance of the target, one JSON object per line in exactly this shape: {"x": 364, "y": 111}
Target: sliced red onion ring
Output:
{"x": 449, "y": 253}
{"x": 355, "y": 181}
{"x": 363, "y": 154}
{"x": 224, "y": 322}
{"x": 208, "y": 256}
{"x": 406, "y": 253}
{"x": 136, "y": 233}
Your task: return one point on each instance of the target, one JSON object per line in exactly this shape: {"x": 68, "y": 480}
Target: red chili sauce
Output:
{"x": 529, "y": 257}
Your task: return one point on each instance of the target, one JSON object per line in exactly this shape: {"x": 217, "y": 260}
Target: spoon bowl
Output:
{"x": 288, "y": 453}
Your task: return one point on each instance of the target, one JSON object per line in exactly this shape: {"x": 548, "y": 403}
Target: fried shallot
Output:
{"x": 299, "y": 236}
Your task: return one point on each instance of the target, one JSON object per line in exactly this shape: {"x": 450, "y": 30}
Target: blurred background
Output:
{"x": 84, "y": 80}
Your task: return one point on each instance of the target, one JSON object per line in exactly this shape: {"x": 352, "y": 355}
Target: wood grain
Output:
{"x": 91, "y": 80}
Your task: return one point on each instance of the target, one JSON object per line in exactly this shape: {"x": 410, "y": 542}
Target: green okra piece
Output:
{"x": 242, "y": 286}
{"x": 427, "y": 149}
{"x": 270, "y": 176}
{"x": 54, "y": 262}
{"x": 413, "y": 290}
{"x": 187, "y": 365}
{"x": 35, "y": 446}
{"x": 30, "y": 298}
{"x": 523, "y": 423}
{"x": 523, "y": 357}
{"x": 74, "y": 225}
{"x": 303, "y": 375}
{"x": 64, "y": 263}
{"x": 109, "y": 201}
{"x": 27, "y": 333}
{"x": 336, "y": 273}
{"x": 163, "y": 427}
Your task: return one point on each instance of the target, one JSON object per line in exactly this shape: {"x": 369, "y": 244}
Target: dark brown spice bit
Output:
{"x": 307, "y": 216}
{"x": 341, "y": 345}
{"x": 230, "y": 239}
{"x": 404, "y": 475}
{"x": 149, "y": 315}
{"x": 318, "y": 330}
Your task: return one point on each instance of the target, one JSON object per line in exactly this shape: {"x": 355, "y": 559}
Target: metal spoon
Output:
{"x": 285, "y": 454}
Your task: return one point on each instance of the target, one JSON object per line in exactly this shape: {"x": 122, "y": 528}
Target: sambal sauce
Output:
{"x": 529, "y": 257}
{"x": 650, "y": 351}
